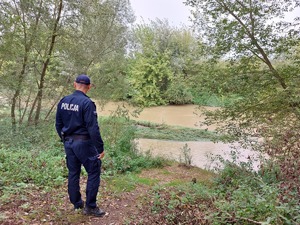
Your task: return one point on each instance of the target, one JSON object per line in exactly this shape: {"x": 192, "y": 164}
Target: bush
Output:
{"x": 178, "y": 94}
{"x": 121, "y": 154}
{"x": 208, "y": 99}
{"x": 243, "y": 197}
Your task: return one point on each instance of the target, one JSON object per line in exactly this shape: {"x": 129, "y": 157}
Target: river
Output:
{"x": 185, "y": 116}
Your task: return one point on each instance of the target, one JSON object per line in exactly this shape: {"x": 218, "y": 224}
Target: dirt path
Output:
{"x": 34, "y": 206}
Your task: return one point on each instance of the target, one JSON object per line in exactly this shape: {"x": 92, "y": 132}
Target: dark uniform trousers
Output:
{"x": 82, "y": 152}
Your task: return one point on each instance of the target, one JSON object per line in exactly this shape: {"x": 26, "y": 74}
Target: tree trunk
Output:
{"x": 21, "y": 76}
{"x": 45, "y": 65}
{"x": 26, "y": 107}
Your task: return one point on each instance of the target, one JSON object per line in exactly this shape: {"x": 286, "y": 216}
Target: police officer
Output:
{"x": 77, "y": 126}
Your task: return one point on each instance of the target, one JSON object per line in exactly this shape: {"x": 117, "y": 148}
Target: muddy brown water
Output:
{"x": 185, "y": 116}
{"x": 181, "y": 115}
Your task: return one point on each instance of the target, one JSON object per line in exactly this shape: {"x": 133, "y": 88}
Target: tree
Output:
{"x": 242, "y": 30}
{"x": 97, "y": 45}
{"x": 247, "y": 36}
{"x": 260, "y": 51}
{"x": 45, "y": 43}
{"x": 148, "y": 77}
{"x": 162, "y": 56}
{"x": 23, "y": 21}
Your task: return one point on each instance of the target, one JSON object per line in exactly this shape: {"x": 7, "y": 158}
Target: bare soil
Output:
{"x": 35, "y": 206}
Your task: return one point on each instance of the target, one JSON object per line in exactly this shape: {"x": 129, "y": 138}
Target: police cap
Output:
{"x": 83, "y": 79}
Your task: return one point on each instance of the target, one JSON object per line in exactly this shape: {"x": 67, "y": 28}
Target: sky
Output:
{"x": 174, "y": 10}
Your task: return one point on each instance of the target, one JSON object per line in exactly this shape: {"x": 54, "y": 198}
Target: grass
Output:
{"x": 128, "y": 182}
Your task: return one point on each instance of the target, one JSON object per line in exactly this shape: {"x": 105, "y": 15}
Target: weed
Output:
{"x": 186, "y": 157}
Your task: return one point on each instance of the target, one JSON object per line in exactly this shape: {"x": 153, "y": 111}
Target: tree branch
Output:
{"x": 256, "y": 44}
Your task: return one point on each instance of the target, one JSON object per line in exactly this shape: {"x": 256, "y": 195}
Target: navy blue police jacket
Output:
{"x": 76, "y": 115}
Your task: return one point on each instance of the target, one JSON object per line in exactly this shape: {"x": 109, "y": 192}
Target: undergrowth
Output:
{"x": 237, "y": 195}
{"x": 33, "y": 158}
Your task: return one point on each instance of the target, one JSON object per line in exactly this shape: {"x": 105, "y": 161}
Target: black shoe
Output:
{"x": 93, "y": 211}
{"x": 79, "y": 207}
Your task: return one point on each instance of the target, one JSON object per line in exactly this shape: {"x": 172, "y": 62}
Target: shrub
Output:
{"x": 245, "y": 198}
{"x": 178, "y": 94}
{"x": 121, "y": 154}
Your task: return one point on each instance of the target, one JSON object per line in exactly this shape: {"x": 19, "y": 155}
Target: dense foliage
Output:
{"x": 159, "y": 63}
{"x": 45, "y": 44}
{"x": 255, "y": 56}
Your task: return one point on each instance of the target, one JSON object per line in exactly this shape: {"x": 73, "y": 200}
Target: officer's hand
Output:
{"x": 101, "y": 155}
